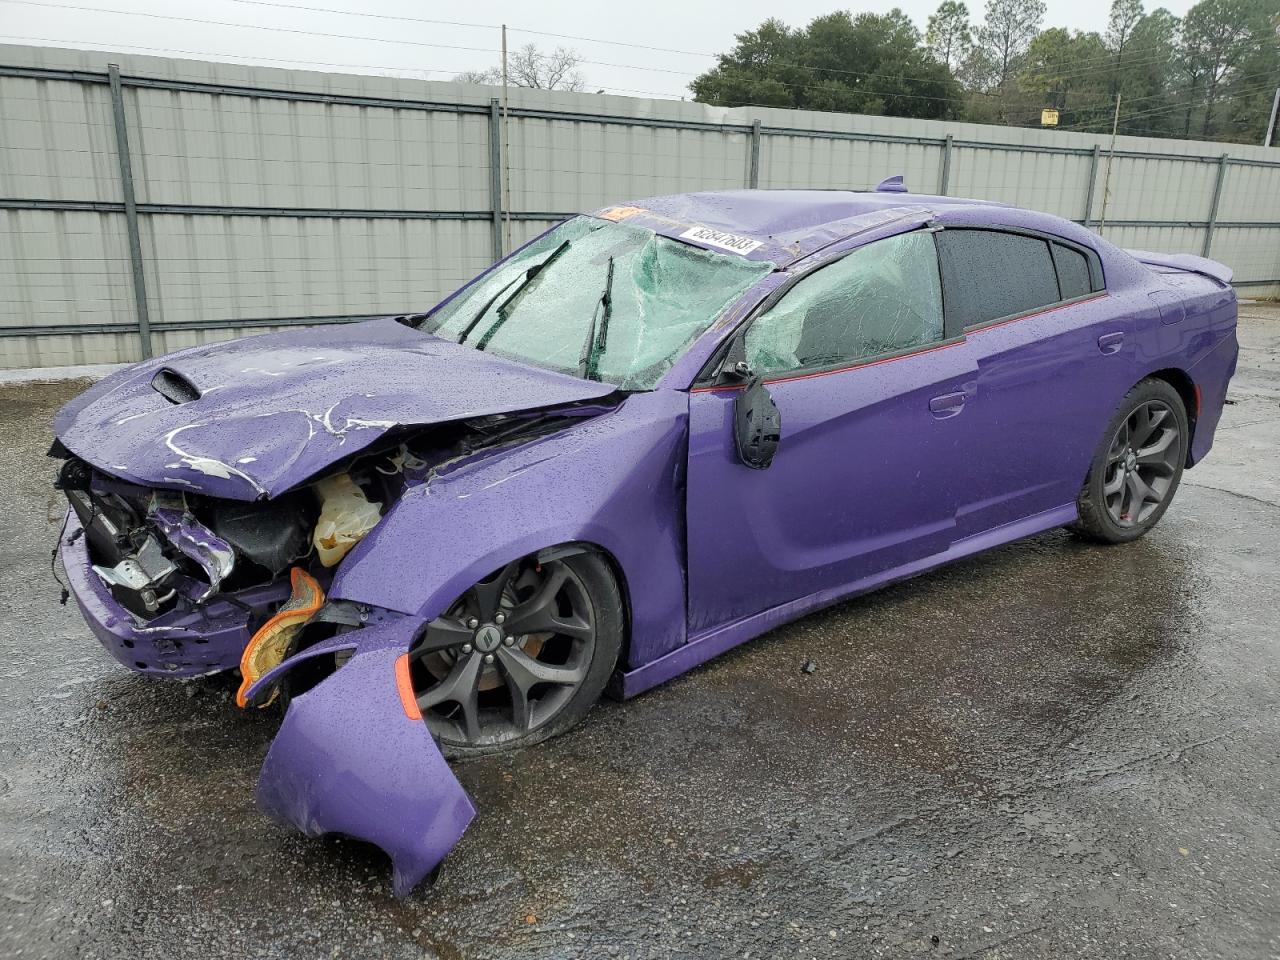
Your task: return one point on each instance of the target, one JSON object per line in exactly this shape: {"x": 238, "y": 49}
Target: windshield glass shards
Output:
{"x": 599, "y": 299}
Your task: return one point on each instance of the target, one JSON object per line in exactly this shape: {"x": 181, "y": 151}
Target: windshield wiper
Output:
{"x": 504, "y": 308}
{"x": 524, "y": 282}
{"x": 594, "y": 345}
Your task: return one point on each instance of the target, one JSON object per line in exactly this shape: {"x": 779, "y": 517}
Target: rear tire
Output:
{"x": 1137, "y": 467}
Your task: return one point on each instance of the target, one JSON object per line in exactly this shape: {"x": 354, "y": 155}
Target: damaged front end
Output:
{"x": 181, "y": 583}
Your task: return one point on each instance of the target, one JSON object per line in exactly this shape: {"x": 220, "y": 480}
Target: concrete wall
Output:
{"x": 268, "y": 197}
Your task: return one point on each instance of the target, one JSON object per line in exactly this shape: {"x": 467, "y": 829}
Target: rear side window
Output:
{"x": 988, "y": 275}
{"x": 882, "y": 298}
{"x": 1073, "y": 272}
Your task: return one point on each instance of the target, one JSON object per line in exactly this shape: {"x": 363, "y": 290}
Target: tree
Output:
{"x": 950, "y": 34}
{"x": 1124, "y": 20}
{"x": 529, "y": 67}
{"x": 1051, "y": 73}
{"x": 1249, "y": 93}
{"x": 1218, "y": 35}
{"x": 1008, "y": 28}
{"x": 870, "y": 63}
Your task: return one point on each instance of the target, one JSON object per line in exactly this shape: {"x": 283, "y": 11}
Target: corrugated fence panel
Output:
{"x": 1159, "y": 239}
{"x": 801, "y": 162}
{"x": 1252, "y": 193}
{"x": 56, "y": 141}
{"x": 68, "y": 350}
{"x": 63, "y": 267}
{"x": 1054, "y": 182}
{"x": 1147, "y": 189}
{"x": 562, "y": 166}
{"x": 204, "y": 149}
{"x": 1250, "y": 255}
{"x": 206, "y": 268}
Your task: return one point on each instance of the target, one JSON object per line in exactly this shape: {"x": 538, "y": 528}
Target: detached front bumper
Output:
{"x": 175, "y": 644}
{"x": 348, "y": 759}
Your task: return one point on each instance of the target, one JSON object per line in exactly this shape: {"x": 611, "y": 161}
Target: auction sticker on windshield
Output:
{"x": 718, "y": 238}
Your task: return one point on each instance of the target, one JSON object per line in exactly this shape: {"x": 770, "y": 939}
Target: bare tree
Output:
{"x": 491, "y": 76}
{"x": 530, "y": 67}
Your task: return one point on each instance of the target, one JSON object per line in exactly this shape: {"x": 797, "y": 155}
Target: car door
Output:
{"x": 872, "y": 395}
{"x": 1054, "y": 357}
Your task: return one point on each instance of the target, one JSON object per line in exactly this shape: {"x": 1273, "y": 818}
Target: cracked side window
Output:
{"x": 882, "y": 298}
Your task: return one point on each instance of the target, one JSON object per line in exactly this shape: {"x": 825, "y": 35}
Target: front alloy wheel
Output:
{"x": 520, "y": 656}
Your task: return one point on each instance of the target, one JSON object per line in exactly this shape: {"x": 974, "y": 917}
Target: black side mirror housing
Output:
{"x": 757, "y": 424}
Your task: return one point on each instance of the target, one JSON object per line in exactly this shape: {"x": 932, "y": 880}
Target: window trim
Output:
{"x": 712, "y": 373}
{"x": 1097, "y": 281}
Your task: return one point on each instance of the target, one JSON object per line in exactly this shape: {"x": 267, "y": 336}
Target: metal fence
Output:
{"x": 163, "y": 203}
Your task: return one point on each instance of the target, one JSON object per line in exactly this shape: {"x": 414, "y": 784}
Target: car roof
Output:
{"x": 789, "y": 224}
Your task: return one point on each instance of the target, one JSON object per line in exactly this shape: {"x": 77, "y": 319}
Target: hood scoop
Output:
{"x": 174, "y": 387}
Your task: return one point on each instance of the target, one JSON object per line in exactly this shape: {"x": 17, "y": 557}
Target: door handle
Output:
{"x": 947, "y": 405}
{"x": 1109, "y": 343}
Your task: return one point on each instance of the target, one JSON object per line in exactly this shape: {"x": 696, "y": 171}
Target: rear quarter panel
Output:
{"x": 1188, "y": 324}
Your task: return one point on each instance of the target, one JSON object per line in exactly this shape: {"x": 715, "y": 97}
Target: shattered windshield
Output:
{"x": 597, "y": 299}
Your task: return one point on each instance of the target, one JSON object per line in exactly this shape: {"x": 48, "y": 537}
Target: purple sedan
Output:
{"x": 648, "y": 435}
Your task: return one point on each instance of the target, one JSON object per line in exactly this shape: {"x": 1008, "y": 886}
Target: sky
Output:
{"x": 652, "y": 48}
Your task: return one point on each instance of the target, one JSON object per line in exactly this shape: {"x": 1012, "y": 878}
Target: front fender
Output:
{"x": 349, "y": 759}
{"x": 616, "y": 481}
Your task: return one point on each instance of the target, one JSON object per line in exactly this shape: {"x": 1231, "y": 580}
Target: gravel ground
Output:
{"x": 1051, "y": 750}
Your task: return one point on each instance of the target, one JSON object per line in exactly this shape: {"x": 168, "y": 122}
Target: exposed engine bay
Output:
{"x": 164, "y": 552}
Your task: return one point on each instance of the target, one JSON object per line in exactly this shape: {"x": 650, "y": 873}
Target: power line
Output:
{"x": 480, "y": 26}
{"x": 251, "y": 26}
{"x": 1172, "y": 108}
{"x": 124, "y": 47}
{"x": 94, "y": 44}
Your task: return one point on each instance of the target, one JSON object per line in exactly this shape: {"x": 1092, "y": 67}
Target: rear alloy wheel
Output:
{"x": 521, "y": 656}
{"x": 1133, "y": 477}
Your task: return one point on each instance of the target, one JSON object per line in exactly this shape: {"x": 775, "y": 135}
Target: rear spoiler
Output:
{"x": 1186, "y": 262}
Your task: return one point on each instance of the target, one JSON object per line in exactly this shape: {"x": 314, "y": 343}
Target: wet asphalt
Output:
{"x": 1051, "y": 750}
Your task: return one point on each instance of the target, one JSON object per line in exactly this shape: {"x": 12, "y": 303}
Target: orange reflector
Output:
{"x": 268, "y": 646}
{"x": 1196, "y": 387}
{"x": 404, "y": 684}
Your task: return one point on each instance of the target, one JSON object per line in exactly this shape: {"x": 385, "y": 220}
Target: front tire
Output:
{"x": 520, "y": 657}
{"x": 1137, "y": 467}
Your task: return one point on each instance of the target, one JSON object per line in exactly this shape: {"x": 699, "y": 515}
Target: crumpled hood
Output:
{"x": 276, "y": 409}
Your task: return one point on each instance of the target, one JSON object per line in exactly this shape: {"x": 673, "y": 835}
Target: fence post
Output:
{"x": 495, "y": 177}
{"x": 753, "y": 170}
{"x": 944, "y": 178}
{"x": 1213, "y": 207}
{"x": 1093, "y": 180}
{"x": 130, "y": 210}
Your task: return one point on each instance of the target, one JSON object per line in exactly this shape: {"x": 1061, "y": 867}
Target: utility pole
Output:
{"x": 506, "y": 142}
{"x": 1106, "y": 180}
{"x": 1271, "y": 124}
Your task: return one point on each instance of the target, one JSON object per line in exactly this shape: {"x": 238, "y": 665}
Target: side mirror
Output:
{"x": 757, "y": 422}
